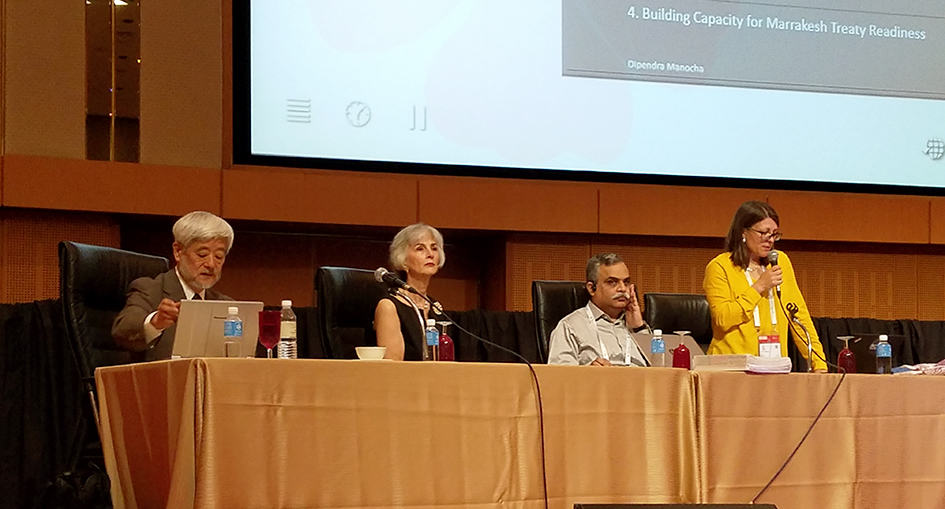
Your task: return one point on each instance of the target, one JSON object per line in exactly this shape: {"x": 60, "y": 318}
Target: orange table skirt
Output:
{"x": 329, "y": 433}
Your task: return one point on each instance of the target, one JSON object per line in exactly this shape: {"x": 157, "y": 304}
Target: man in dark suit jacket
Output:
{"x": 149, "y": 319}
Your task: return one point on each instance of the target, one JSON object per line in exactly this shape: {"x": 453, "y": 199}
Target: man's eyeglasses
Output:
{"x": 774, "y": 236}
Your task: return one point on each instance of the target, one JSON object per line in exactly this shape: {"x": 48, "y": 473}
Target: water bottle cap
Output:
{"x": 233, "y": 310}
{"x": 883, "y": 337}
{"x": 287, "y": 302}
{"x": 431, "y": 322}
{"x": 657, "y": 332}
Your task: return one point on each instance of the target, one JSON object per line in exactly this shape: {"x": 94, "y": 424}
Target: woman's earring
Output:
{"x": 744, "y": 239}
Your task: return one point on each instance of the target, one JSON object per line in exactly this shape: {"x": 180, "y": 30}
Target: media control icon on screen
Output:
{"x": 298, "y": 110}
{"x": 419, "y": 117}
{"x": 358, "y": 113}
{"x": 935, "y": 149}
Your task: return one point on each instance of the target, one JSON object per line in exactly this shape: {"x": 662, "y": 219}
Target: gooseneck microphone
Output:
{"x": 773, "y": 261}
{"x": 792, "y": 310}
{"x": 384, "y": 276}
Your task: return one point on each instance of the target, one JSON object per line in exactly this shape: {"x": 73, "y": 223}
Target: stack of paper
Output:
{"x": 769, "y": 364}
{"x": 733, "y": 362}
{"x": 741, "y": 362}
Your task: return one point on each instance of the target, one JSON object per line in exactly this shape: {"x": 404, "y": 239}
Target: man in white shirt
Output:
{"x": 599, "y": 333}
{"x": 149, "y": 319}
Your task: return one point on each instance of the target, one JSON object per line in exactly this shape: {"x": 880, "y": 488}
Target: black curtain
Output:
{"x": 513, "y": 330}
{"x": 828, "y": 329}
{"x": 45, "y": 414}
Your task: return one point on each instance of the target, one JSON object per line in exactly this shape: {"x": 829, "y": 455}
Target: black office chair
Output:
{"x": 93, "y": 283}
{"x": 346, "y": 302}
{"x": 679, "y": 311}
{"x": 552, "y": 301}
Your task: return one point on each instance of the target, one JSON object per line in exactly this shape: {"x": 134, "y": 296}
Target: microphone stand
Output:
{"x": 810, "y": 346}
{"x": 792, "y": 309}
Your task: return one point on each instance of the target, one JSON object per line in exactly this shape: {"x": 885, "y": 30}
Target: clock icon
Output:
{"x": 358, "y": 113}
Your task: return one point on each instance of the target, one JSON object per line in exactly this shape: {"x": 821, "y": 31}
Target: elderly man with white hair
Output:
{"x": 148, "y": 321}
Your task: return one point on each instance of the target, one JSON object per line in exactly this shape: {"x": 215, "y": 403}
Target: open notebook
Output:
{"x": 200, "y": 327}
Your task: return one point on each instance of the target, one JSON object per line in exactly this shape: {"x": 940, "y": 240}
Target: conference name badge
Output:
{"x": 769, "y": 346}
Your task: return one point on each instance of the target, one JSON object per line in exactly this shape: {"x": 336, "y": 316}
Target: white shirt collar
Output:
{"x": 597, "y": 313}
{"x": 188, "y": 293}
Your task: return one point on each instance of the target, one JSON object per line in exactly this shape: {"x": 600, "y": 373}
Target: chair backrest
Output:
{"x": 552, "y": 301}
{"x": 679, "y": 311}
{"x": 346, "y": 302}
{"x": 93, "y": 282}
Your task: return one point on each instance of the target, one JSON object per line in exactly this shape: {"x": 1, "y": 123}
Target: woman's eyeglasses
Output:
{"x": 774, "y": 236}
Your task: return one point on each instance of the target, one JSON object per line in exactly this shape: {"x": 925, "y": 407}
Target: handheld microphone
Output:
{"x": 773, "y": 260}
{"x": 384, "y": 276}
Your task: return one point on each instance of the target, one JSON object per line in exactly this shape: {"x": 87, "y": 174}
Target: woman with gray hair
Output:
{"x": 400, "y": 318}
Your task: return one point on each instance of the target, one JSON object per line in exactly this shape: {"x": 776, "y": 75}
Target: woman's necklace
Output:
{"x": 420, "y": 302}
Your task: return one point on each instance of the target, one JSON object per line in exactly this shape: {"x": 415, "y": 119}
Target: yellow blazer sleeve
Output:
{"x": 729, "y": 308}
{"x": 791, "y": 293}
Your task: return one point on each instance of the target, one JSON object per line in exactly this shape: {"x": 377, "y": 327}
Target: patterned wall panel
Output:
{"x": 930, "y": 287}
{"x": 837, "y": 281}
{"x": 528, "y": 259}
{"x": 844, "y": 284}
{"x": 664, "y": 267}
{"x": 858, "y": 284}
{"x": 29, "y": 257}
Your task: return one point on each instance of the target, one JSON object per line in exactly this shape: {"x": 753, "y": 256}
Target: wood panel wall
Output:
{"x": 43, "y": 74}
{"x": 275, "y": 261}
{"x": 879, "y": 255}
{"x": 493, "y": 270}
{"x": 29, "y": 256}
{"x": 836, "y": 279}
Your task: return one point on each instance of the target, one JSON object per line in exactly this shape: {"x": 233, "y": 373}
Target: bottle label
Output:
{"x": 287, "y": 330}
{"x": 232, "y": 328}
{"x": 883, "y": 350}
{"x": 433, "y": 337}
{"x": 657, "y": 345}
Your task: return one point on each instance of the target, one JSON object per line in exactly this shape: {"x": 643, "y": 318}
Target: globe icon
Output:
{"x": 935, "y": 149}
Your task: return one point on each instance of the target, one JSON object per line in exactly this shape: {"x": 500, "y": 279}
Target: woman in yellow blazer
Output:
{"x": 740, "y": 286}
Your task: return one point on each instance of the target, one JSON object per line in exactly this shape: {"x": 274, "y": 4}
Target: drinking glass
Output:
{"x": 446, "y": 342}
{"x": 682, "y": 357}
{"x": 269, "y": 323}
{"x": 846, "y": 359}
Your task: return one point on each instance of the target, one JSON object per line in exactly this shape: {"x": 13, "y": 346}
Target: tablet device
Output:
{"x": 200, "y": 328}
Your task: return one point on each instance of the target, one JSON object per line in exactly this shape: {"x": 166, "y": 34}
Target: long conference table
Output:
{"x": 329, "y": 433}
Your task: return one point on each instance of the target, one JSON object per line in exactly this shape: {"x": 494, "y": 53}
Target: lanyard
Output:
{"x": 423, "y": 323}
{"x": 603, "y": 349}
{"x": 774, "y": 312}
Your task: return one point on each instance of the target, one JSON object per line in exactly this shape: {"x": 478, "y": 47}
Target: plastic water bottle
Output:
{"x": 288, "y": 335}
{"x": 232, "y": 332}
{"x": 431, "y": 347}
{"x": 883, "y": 355}
{"x": 658, "y": 349}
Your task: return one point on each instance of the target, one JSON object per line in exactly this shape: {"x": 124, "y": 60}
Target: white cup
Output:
{"x": 370, "y": 353}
